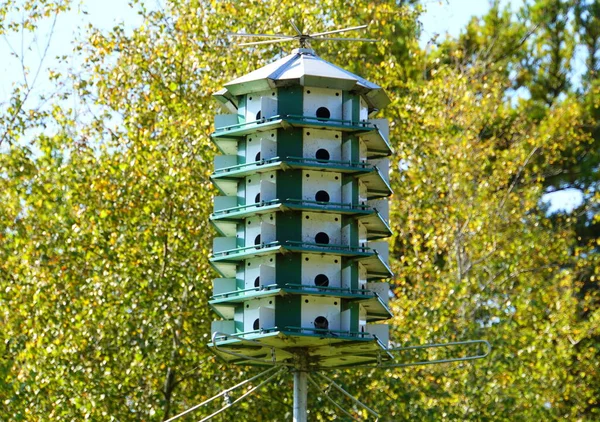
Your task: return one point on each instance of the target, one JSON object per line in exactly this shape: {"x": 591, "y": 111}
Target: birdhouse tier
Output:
{"x": 303, "y": 181}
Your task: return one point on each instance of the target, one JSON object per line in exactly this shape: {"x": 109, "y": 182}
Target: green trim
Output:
{"x": 245, "y": 252}
{"x": 377, "y": 227}
{"x": 275, "y": 289}
{"x": 288, "y": 311}
{"x": 290, "y": 100}
{"x": 289, "y": 143}
{"x": 295, "y": 121}
{"x": 354, "y": 100}
{"x": 242, "y": 211}
{"x": 373, "y": 263}
{"x": 296, "y": 331}
{"x": 289, "y": 184}
{"x": 288, "y": 268}
{"x": 276, "y": 163}
{"x": 239, "y": 318}
{"x": 353, "y": 225}
{"x": 241, "y": 152}
{"x": 242, "y": 109}
{"x": 354, "y": 316}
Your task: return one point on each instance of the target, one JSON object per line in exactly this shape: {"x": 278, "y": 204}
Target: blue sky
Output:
{"x": 441, "y": 17}
{"x": 450, "y": 16}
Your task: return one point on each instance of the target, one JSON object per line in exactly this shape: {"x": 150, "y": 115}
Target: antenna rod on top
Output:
{"x": 302, "y": 38}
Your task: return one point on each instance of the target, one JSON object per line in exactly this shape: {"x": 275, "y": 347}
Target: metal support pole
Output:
{"x": 300, "y": 395}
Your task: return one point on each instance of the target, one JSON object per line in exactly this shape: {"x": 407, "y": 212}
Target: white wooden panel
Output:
{"x": 382, "y": 248}
{"x": 225, "y": 202}
{"x": 383, "y": 165}
{"x": 347, "y": 109}
{"x": 314, "y": 181}
{"x": 223, "y": 244}
{"x": 268, "y": 106}
{"x": 225, "y": 327}
{"x": 313, "y": 223}
{"x": 382, "y": 206}
{"x": 268, "y": 144}
{"x": 347, "y": 151}
{"x": 362, "y": 235}
{"x": 381, "y": 331}
{"x": 253, "y": 148}
{"x": 384, "y": 127}
{"x": 347, "y": 277}
{"x": 318, "y": 264}
{"x": 364, "y": 111}
{"x": 315, "y": 139}
{"x": 223, "y": 285}
{"x": 266, "y": 316}
{"x": 347, "y": 192}
{"x": 346, "y": 320}
{"x": 347, "y": 234}
{"x": 322, "y": 97}
{"x": 223, "y": 161}
{"x": 362, "y": 277}
{"x": 261, "y": 145}
{"x": 252, "y": 231}
{"x": 261, "y": 187}
{"x": 362, "y": 151}
{"x": 267, "y": 275}
{"x": 252, "y": 270}
{"x": 268, "y": 188}
{"x": 222, "y": 120}
{"x": 252, "y": 312}
{"x": 252, "y": 189}
{"x": 362, "y": 319}
{"x": 254, "y": 103}
{"x": 382, "y": 289}
{"x": 362, "y": 193}
{"x": 313, "y": 307}
{"x": 267, "y": 229}
{"x": 263, "y": 225}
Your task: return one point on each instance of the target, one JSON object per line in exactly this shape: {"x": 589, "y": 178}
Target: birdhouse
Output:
{"x": 301, "y": 215}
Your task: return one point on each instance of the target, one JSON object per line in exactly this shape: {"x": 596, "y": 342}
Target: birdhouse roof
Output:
{"x": 304, "y": 67}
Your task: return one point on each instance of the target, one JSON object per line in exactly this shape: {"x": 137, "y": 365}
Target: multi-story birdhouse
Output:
{"x": 302, "y": 216}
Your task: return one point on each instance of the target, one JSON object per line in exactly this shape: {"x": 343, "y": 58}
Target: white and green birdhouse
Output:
{"x": 302, "y": 216}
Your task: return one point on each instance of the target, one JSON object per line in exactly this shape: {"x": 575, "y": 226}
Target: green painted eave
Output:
{"x": 225, "y": 221}
{"x": 288, "y": 120}
{"x": 297, "y": 163}
{"x": 240, "y": 296}
{"x": 377, "y": 145}
{"x": 224, "y": 303}
{"x": 244, "y": 211}
{"x": 376, "y": 268}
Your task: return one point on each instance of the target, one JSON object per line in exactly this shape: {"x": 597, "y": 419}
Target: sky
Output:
{"x": 441, "y": 17}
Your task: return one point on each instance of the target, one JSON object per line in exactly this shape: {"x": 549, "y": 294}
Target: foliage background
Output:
{"x": 105, "y": 195}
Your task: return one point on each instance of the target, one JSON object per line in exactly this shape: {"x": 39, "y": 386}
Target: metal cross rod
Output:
{"x": 247, "y": 393}
{"x": 350, "y": 396}
{"x": 222, "y": 393}
{"x": 488, "y": 349}
{"x": 336, "y": 404}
